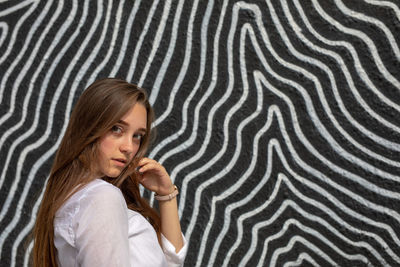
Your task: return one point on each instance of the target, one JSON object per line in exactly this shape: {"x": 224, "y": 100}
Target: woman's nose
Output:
{"x": 126, "y": 146}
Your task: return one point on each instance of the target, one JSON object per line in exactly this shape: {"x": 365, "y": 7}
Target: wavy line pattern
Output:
{"x": 278, "y": 120}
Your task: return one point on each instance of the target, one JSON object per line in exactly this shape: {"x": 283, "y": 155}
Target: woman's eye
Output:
{"x": 138, "y": 136}
{"x": 116, "y": 129}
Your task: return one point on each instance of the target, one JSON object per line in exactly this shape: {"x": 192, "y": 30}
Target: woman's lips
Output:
{"x": 119, "y": 162}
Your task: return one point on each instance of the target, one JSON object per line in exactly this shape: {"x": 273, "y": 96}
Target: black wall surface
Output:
{"x": 278, "y": 119}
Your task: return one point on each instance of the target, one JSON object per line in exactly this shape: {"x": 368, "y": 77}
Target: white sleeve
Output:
{"x": 101, "y": 229}
{"x": 174, "y": 259}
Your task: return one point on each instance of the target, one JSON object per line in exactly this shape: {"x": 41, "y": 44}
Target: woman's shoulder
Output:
{"x": 97, "y": 188}
{"x": 96, "y": 205}
{"x": 97, "y": 191}
{"x": 99, "y": 185}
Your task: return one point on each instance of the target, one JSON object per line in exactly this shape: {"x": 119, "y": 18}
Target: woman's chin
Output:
{"x": 113, "y": 173}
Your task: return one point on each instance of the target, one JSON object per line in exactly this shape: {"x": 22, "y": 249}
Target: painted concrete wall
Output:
{"x": 279, "y": 120}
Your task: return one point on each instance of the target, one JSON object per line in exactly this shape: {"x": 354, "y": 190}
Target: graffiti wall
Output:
{"x": 279, "y": 120}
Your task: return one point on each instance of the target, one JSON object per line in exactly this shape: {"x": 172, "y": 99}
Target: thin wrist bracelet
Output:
{"x": 167, "y": 197}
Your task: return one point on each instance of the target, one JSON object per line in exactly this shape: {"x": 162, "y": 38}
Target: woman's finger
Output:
{"x": 145, "y": 161}
{"x": 149, "y": 164}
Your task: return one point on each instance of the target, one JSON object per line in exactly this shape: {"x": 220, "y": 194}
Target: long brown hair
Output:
{"x": 100, "y": 106}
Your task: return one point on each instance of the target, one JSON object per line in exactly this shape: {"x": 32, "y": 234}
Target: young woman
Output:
{"x": 92, "y": 213}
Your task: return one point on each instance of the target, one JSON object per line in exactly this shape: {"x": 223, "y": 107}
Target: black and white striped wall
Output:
{"x": 279, "y": 120}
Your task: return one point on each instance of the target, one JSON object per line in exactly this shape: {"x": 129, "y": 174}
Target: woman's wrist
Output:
{"x": 165, "y": 190}
{"x": 165, "y": 197}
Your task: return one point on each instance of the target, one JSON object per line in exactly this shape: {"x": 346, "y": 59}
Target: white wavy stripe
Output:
{"x": 362, "y": 37}
{"x": 354, "y": 14}
{"x": 322, "y": 66}
{"x": 309, "y": 105}
{"x": 242, "y": 217}
{"x": 44, "y": 158}
{"x": 196, "y": 204}
{"x": 385, "y": 4}
{"x": 342, "y": 107}
{"x": 20, "y": 123}
{"x": 177, "y": 134}
{"x": 259, "y": 186}
{"x": 13, "y": 40}
{"x": 357, "y": 64}
{"x": 232, "y": 189}
{"x": 12, "y": 9}
{"x": 253, "y": 213}
{"x": 326, "y": 194}
{"x": 169, "y": 139}
{"x": 181, "y": 75}
{"x": 27, "y": 65}
{"x": 114, "y": 29}
{"x": 156, "y": 41}
{"x": 140, "y": 41}
{"x": 161, "y": 74}
{"x": 188, "y": 100}
{"x": 19, "y": 165}
{"x": 364, "y": 202}
{"x": 325, "y": 209}
{"x": 300, "y": 259}
{"x": 213, "y": 110}
{"x": 11, "y": 130}
{"x": 184, "y": 68}
{"x": 52, "y": 150}
{"x": 332, "y": 230}
{"x": 326, "y": 105}
{"x": 184, "y": 145}
{"x": 222, "y": 173}
{"x": 27, "y": 253}
{"x": 229, "y": 209}
{"x": 337, "y": 203}
{"x": 265, "y": 223}
{"x": 234, "y": 158}
{"x": 254, "y": 238}
{"x": 127, "y": 34}
{"x": 361, "y": 200}
{"x": 165, "y": 63}
{"x": 177, "y": 85}
{"x": 322, "y": 238}
{"x": 26, "y": 231}
{"x": 313, "y": 115}
{"x": 290, "y": 245}
{"x": 4, "y": 32}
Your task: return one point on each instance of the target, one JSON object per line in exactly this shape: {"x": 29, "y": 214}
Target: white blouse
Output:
{"x": 94, "y": 227}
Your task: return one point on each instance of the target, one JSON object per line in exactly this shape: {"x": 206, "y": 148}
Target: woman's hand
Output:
{"x": 153, "y": 176}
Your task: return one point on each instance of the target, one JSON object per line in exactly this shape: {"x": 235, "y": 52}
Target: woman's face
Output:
{"x": 121, "y": 143}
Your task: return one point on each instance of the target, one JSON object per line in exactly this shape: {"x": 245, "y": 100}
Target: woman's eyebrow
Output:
{"x": 123, "y": 122}
{"x": 144, "y": 130}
